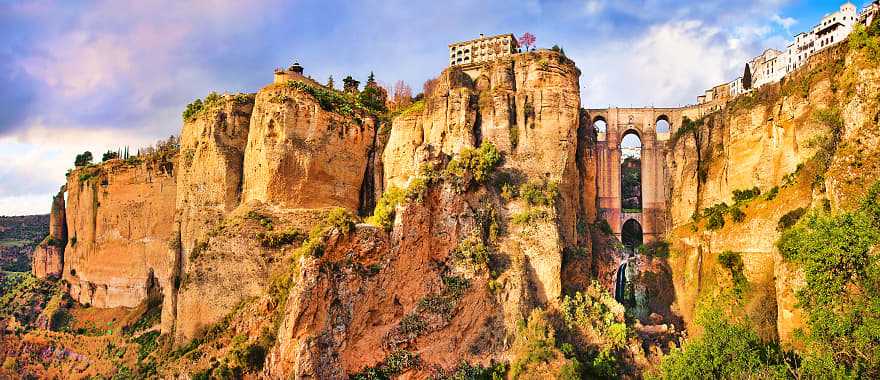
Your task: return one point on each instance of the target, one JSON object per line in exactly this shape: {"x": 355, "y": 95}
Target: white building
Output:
{"x": 482, "y": 49}
{"x": 736, "y": 87}
{"x": 869, "y": 13}
{"x": 833, "y": 29}
{"x": 769, "y": 67}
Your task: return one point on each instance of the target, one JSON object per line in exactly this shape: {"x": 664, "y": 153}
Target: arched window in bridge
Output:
{"x": 631, "y": 172}
{"x": 600, "y": 125}
{"x": 662, "y": 124}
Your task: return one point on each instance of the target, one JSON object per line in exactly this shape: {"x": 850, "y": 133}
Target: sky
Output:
{"x": 99, "y": 75}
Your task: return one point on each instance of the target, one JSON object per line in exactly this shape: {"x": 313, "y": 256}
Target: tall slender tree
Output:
{"x": 747, "y": 78}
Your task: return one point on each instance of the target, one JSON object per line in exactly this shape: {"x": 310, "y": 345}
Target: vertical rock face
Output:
{"x": 119, "y": 219}
{"x": 301, "y": 156}
{"x": 210, "y": 167}
{"x": 48, "y": 259}
{"x": 529, "y": 107}
{"x": 209, "y": 177}
{"x": 767, "y": 140}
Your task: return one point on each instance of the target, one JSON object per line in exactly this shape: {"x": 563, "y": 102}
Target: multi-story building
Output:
{"x": 869, "y": 13}
{"x": 833, "y": 29}
{"x": 772, "y": 65}
{"x": 482, "y": 49}
{"x": 736, "y": 87}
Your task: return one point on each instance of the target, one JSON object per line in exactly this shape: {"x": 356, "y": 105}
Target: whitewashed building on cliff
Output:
{"x": 772, "y": 65}
{"x": 482, "y": 49}
{"x": 833, "y": 29}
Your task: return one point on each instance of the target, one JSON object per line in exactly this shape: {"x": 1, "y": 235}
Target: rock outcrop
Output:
{"x": 528, "y": 106}
{"x": 120, "y": 220}
{"x": 299, "y": 155}
{"x": 48, "y": 258}
{"x": 771, "y": 139}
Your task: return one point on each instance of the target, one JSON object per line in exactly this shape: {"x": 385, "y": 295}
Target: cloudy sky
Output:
{"x": 81, "y": 75}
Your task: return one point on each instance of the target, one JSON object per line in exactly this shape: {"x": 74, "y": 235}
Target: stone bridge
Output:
{"x": 643, "y": 122}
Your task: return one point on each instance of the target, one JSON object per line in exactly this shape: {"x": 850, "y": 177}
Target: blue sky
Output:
{"x": 78, "y": 75}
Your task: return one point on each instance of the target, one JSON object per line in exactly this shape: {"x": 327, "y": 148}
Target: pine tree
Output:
{"x": 371, "y": 79}
{"x": 330, "y": 83}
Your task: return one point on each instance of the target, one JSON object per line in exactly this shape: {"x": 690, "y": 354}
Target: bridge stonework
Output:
{"x": 643, "y": 122}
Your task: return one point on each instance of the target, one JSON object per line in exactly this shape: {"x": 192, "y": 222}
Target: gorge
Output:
{"x": 301, "y": 232}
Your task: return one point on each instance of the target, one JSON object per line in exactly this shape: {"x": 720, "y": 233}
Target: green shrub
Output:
{"x": 740, "y": 196}
{"x": 394, "y": 364}
{"x": 841, "y": 274}
{"x": 445, "y": 302}
{"x": 603, "y": 226}
{"x": 467, "y": 371}
{"x": 732, "y": 261}
{"x": 725, "y": 351}
{"x": 790, "y": 218}
{"x": 412, "y": 325}
{"x": 341, "y": 103}
{"x": 736, "y": 214}
{"x": 539, "y": 193}
{"x": 529, "y": 216}
{"x": 472, "y": 252}
{"x": 280, "y": 239}
{"x": 83, "y": 159}
{"x": 475, "y": 163}
{"x": 339, "y": 220}
{"x": 715, "y": 215}
{"x": 596, "y": 310}
{"x": 865, "y": 41}
{"x": 771, "y": 195}
{"x": 383, "y": 214}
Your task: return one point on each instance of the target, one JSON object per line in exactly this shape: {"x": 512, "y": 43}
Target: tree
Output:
{"x": 371, "y": 79}
{"x": 373, "y": 97}
{"x": 330, "y": 83}
{"x": 747, "y": 77}
{"x": 401, "y": 95}
{"x": 350, "y": 85}
{"x": 428, "y": 87}
{"x": 83, "y": 159}
{"x": 527, "y": 40}
{"x": 109, "y": 155}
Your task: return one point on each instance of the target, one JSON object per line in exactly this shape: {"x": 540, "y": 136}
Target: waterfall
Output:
{"x": 620, "y": 286}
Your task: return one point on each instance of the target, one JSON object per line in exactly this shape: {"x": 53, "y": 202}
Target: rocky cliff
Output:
{"x": 482, "y": 198}
{"x": 48, "y": 259}
{"x": 807, "y": 141}
{"x": 528, "y": 106}
{"x": 120, "y": 219}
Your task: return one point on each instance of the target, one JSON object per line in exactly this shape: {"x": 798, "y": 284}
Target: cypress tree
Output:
{"x": 747, "y": 78}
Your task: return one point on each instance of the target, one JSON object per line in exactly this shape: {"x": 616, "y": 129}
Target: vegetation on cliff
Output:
{"x": 842, "y": 293}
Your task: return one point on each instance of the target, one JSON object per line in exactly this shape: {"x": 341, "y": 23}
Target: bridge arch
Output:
{"x": 600, "y": 124}
{"x": 662, "y": 124}
{"x": 652, "y": 127}
{"x": 631, "y": 234}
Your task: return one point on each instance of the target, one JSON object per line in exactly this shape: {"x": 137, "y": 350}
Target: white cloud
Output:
{"x": 593, "y": 7}
{"x": 784, "y": 22}
{"x": 28, "y": 204}
{"x": 669, "y": 65}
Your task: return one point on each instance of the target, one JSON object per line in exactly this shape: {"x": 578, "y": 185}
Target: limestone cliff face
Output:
{"x": 348, "y": 308}
{"x": 301, "y": 156}
{"x": 528, "y": 106}
{"x": 48, "y": 259}
{"x": 210, "y": 167}
{"x": 119, "y": 219}
{"x": 759, "y": 141}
